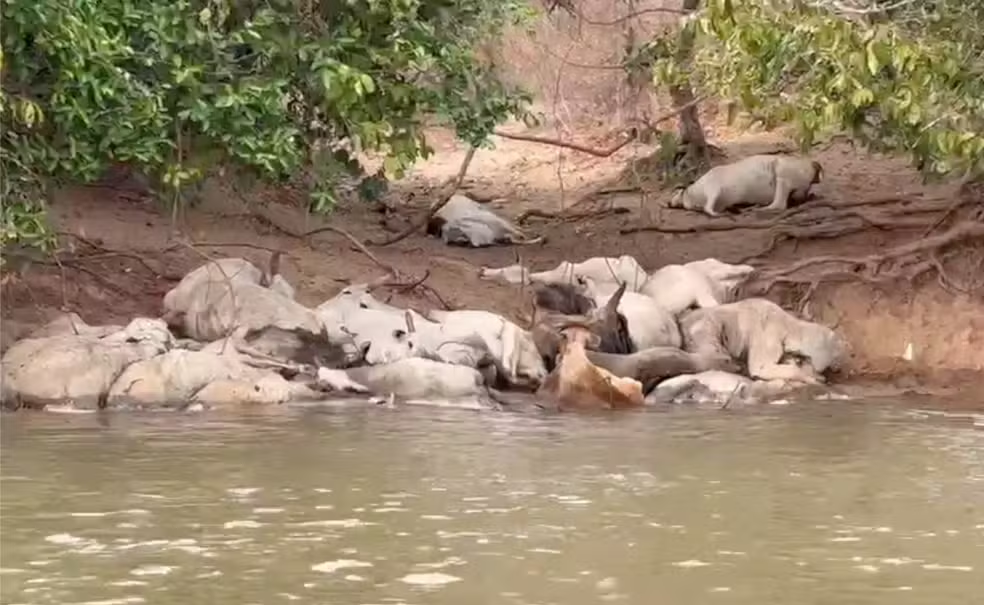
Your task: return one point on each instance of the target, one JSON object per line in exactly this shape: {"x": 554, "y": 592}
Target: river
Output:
{"x": 828, "y": 503}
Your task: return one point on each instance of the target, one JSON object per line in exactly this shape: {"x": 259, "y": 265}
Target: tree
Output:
{"x": 180, "y": 89}
{"x": 682, "y": 93}
{"x": 903, "y": 76}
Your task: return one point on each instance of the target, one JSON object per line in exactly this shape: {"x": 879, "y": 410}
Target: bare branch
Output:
{"x": 599, "y": 153}
{"x": 455, "y": 185}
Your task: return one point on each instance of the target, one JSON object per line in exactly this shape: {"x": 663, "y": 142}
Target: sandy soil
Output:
{"x": 127, "y": 255}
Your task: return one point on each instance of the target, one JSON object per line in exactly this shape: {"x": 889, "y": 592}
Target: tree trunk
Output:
{"x": 691, "y": 130}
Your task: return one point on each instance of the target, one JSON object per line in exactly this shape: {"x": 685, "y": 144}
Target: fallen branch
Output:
{"x": 173, "y": 247}
{"x": 108, "y": 252}
{"x": 455, "y": 184}
{"x": 355, "y": 242}
{"x": 402, "y": 283}
{"x": 104, "y": 281}
{"x": 633, "y": 134}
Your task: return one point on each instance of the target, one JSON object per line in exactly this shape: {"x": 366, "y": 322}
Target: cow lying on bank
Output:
{"x": 774, "y": 344}
{"x": 410, "y": 379}
{"x": 478, "y": 339}
{"x": 675, "y": 288}
{"x": 646, "y": 322}
{"x": 698, "y": 284}
{"x": 758, "y": 180}
{"x": 717, "y": 388}
{"x": 464, "y": 222}
{"x": 232, "y": 296}
{"x": 605, "y": 272}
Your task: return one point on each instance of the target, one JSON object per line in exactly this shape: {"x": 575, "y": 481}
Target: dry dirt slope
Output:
{"x": 132, "y": 267}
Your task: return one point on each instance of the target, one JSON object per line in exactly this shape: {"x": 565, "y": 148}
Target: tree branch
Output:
{"x": 599, "y": 153}
{"x": 455, "y": 185}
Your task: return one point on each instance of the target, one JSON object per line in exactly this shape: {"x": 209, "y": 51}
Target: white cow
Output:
{"x": 758, "y": 180}
{"x": 606, "y": 273}
{"x": 703, "y": 283}
{"x": 768, "y": 337}
{"x": 512, "y": 348}
{"x": 650, "y": 324}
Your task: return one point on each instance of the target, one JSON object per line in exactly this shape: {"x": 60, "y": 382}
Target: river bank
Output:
{"x": 920, "y": 335}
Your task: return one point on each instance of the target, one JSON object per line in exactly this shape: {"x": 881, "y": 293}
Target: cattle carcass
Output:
{"x": 577, "y": 384}
{"x": 512, "y": 349}
{"x": 411, "y": 378}
{"x": 703, "y": 283}
{"x": 774, "y": 344}
{"x": 224, "y": 367}
{"x": 354, "y": 297}
{"x": 464, "y": 222}
{"x": 79, "y": 368}
{"x": 233, "y": 297}
{"x": 606, "y": 273}
{"x": 757, "y": 180}
{"x": 649, "y": 323}
{"x": 226, "y": 271}
{"x": 262, "y": 388}
{"x": 716, "y": 387}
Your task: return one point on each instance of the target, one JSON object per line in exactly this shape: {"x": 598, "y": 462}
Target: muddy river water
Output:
{"x": 826, "y": 503}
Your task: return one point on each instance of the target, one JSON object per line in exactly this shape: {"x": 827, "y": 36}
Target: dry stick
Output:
{"x": 108, "y": 252}
{"x": 828, "y": 231}
{"x": 64, "y": 291}
{"x": 355, "y": 242}
{"x": 106, "y": 282}
{"x": 390, "y": 270}
{"x": 226, "y": 245}
{"x": 598, "y": 153}
{"x": 455, "y": 185}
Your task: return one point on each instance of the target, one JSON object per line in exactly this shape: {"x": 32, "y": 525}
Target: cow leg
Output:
{"x": 764, "y": 355}
{"x": 781, "y": 198}
{"x": 710, "y": 206}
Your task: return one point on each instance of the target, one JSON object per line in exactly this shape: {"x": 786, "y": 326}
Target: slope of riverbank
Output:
{"x": 921, "y": 333}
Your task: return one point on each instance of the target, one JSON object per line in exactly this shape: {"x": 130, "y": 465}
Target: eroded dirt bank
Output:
{"x": 127, "y": 252}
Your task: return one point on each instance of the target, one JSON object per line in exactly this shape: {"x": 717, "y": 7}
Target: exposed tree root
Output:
{"x": 805, "y": 216}
{"x": 568, "y": 216}
{"x": 907, "y": 261}
{"x": 821, "y": 220}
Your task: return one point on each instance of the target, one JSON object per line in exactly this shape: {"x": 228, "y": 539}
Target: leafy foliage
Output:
{"x": 180, "y": 88}
{"x": 910, "y": 79}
